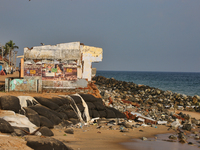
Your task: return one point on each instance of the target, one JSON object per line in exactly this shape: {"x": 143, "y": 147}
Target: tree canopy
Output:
{"x": 9, "y": 47}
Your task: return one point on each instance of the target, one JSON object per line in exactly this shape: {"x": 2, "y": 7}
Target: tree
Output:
{"x": 9, "y": 48}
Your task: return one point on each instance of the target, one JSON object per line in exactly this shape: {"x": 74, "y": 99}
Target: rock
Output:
{"x": 32, "y": 116}
{"x": 69, "y": 131}
{"x": 66, "y": 123}
{"x": 20, "y": 131}
{"x": 80, "y": 107}
{"x": 182, "y": 141}
{"x": 65, "y": 100}
{"x": 127, "y": 125}
{"x": 118, "y": 113}
{"x": 172, "y": 137}
{"x": 5, "y": 127}
{"x": 102, "y": 114}
{"x": 95, "y": 113}
{"x": 46, "y": 102}
{"x": 99, "y": 106}
{"x": 110, "y": 113}
{"x": 181, "y": 136}
{"x": 39, "y": 143}
{"x": 43, "y": 111}
{"x": 8, "y": 102}
{"x": 187, "y": 127}
{"x": 74, "y": 121}
{"x": 70, "y": 114}
{"x": 144, "y": 138}
{"x": 196, "y": 137}
{"x": 76, "y": 99}
{"x": 190, "y": 143}
{"x": 45, "y": 122}
{"x": 90, "y": 105}
{"x": 57, "y": 100}
{"x": 46, "y": 131}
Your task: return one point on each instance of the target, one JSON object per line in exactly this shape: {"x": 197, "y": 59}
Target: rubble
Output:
{"x": 117, "y": 105}
{"x": 146, "y": 105}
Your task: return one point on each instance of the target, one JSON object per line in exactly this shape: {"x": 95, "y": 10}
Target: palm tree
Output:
{"x": 9, "y": 48}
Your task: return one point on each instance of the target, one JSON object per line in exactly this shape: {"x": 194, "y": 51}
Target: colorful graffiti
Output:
{"x": 58, "y": 72}
{"x": 32, "y": 70}
{"x": 51, "y": 71}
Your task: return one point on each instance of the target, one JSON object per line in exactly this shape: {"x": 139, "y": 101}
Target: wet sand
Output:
{"x": 162, "y": 143}
{"x": 104, "y": 138}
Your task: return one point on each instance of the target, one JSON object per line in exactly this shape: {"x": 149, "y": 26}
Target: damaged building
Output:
{"x": 61, "y": 66}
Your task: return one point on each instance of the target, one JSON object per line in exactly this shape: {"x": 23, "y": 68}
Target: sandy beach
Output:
{"x": 87, "y": 137}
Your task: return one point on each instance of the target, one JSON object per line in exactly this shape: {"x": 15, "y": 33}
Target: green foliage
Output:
{"x": 9, "y": 47}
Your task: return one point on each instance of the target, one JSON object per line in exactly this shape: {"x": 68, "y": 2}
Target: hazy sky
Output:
{"x": 136, "y": 35}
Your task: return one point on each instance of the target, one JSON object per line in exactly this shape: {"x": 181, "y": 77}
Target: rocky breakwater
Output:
{"x": 144, "y": 96}
{"x": 35, "y": 117}
{"x": 149, "y": 105}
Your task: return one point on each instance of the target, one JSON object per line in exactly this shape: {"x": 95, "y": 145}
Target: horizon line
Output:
{"x": 151, "y": 71}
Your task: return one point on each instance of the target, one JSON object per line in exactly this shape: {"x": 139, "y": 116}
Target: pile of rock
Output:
{"x": 143, "y": 95}
{"x": 151, "y": 103}
{"x": 47, "y": 113}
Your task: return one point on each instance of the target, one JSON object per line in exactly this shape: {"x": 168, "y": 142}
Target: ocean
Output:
{"x": 187, "y": 83}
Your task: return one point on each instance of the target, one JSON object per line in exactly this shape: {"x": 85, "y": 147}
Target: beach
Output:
{"x": 88, "y": 137}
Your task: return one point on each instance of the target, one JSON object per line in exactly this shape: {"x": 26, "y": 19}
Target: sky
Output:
{"x": 136, "y": 35}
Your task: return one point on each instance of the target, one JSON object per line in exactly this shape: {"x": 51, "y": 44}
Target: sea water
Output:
{"x": 180, "y": 82}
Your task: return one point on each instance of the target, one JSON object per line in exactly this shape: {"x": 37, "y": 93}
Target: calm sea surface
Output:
{"x": 179, "y": 82}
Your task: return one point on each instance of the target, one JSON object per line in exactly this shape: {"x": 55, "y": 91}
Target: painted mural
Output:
{"x": 32, "y": 70}
{"x": 66, "y": 71}
{"x": 58, "y": 72}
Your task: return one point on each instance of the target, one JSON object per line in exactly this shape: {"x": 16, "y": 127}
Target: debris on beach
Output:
{"x": 117, "y": 105}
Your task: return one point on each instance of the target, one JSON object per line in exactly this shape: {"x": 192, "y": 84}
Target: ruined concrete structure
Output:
{"x": 61, "y": 66}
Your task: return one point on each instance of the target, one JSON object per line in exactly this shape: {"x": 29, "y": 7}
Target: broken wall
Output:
{"x": 90, "y": 54}
{"x": 65, "y": 65}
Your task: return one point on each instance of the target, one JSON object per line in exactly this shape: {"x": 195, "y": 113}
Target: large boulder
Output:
{"x": 46, "y": 131}
{"x": 43, "y": 111}
{"x": 21, "y": 131}
{"x": 117, "y": 113}
{"x": 8, "y": 102}
{"x": 57, "y": 100}
{"x": 102, "y": 113}
{"x": 5, "y": 127}
{"x": 45, "y": 122}
{"x": 65, "y": 100}
{"x": 46, "y": 102}
{"x": 90, "y": 98}
{"x": 69, "y": 131}
{"x": 80, "y": 107}
{"x": 39, "y": 143}
{"x": 74, "y": 121}
{"x": 32, "y": 116}
{"x": 110, "y": 113}
{"x": 95, "y": 113}
{"x": 99, "y": 106}
{"x": 71, "y": 114}
{"x": 76, "y": 99}
{"x": 66, "y": 123}
{"x": 90, "y": 105}
{"x": 64, "y": 107}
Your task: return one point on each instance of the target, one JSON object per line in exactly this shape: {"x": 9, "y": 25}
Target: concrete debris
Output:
{"x": 149, "y": 105}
